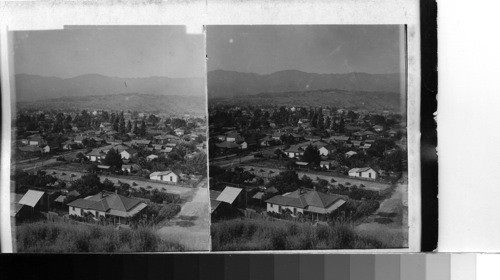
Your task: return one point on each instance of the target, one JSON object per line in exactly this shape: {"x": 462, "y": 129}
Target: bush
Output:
{"x": 366, "y": 208}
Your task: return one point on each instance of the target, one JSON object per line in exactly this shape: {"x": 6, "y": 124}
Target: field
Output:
{"x": 63, "y": 237}
{"x": 248, "y": 234}
{"x": 344, "y": 180}
{"x": 65, "y": 175}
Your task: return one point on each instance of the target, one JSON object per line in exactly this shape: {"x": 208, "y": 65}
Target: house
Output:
{"x": 96, "y": 155}
{"x": 339, "y": 139}
{"x": 165, "y": 176}
{"x": 141, "y": 142}
{"x": 107, "y": 205}
{"x": 294, "y": 151}
{"x": 131, "y": 167}
{"x": 68, "y": 145}
{"x": 31, "y": 149}
{"x": 306, "y": 202}
{"x": 151, "y": 157}
{"x": 167, "y": 150}
{"x": 128, "y": 153}
{"x": 79, "y": 139}
{"x": 266, "y": 141}
{"x": 363, "y": 172}
{"x": 277, "y": 136}
{"x": 350, "y": 154}
{"x": 36, "y": 140}
{"x": 328, "y": 164}
{"x": 34, "y": 199}
{"x": 179, "y": 132}
{"x": 233, "y": 196}
{"x": 46, "y": 149}
{"x": 327, "y": 150}
{"x": 234, "y": 137}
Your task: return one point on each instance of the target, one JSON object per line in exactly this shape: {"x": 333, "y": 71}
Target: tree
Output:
{"x": 129, "y": 126}
{"x": 311, "y": 155}
{"x": 113, "y": 158}
{"x": 286, "y": 181}
{"x": 88, "y": 184}
{"x": 142, "y": 132}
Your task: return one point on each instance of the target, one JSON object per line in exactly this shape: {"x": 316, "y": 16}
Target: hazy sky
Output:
{"x": 125, "y": 51}
{"x": 317, "y": 49}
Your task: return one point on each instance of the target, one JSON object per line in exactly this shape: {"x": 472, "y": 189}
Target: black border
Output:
{"x": 428, "y": 126}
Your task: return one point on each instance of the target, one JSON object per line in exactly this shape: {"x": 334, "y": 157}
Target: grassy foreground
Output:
{"x": 60, "y": 237}
{"x": 247, "y": 234}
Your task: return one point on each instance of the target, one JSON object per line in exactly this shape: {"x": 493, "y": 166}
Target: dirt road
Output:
{"x": 191, "y": 227}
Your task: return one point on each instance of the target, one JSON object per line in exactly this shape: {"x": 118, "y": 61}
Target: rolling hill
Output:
{"x": 34, "y": 87}
{"x": 371, "y": 101}
{"x": 170, "y": 104}
{"x": 225, "y": 84}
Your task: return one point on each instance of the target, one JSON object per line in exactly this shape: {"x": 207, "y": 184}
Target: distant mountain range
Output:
{"x": 34, "y": 87}
{"x": 169, "y": 104}
{"x": 223, "y": 84}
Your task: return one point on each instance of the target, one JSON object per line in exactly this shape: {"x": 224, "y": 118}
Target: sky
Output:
{"x": 316, "y": 49}
{"x": 117, "y": 51}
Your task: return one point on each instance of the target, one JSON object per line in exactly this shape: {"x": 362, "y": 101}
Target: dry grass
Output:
{"x": 246, "y": 234}
{"x": 61, "y": 237}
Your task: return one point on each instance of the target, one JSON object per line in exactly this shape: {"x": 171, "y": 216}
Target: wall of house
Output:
{"x": 276, "y": 208}
{"x": 75, "y": 211}
{"x": 370, "y": 174}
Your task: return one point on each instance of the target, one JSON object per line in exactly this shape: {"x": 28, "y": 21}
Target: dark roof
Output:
{"x": 302, "y": 198}
{"x": 106, "y": 201}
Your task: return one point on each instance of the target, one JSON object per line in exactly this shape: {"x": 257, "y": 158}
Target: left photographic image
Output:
{"x": 109, "y": 139}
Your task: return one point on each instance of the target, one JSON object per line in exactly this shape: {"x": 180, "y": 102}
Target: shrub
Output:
{"x": 366, "y": 208}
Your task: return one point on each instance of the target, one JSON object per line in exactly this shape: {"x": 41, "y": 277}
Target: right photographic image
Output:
{"x": 307, "y": 137}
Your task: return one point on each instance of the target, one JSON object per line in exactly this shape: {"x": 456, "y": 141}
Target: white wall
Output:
{"x": 275, "y": 208}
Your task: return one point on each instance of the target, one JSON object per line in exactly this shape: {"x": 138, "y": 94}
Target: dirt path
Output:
{"x": 191, "y": 227}
{"x": 390, "y": 222}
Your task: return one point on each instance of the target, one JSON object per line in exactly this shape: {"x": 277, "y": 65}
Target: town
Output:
{"x": 143, "y": 173}
{"x": 275, "y": 171}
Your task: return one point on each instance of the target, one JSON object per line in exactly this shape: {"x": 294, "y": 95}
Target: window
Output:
{"x": 369, "y": 175}
{"x": 171, "y": 179}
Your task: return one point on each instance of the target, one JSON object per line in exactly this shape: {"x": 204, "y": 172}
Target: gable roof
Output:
{"x": 104, "y": 202}
{"x": 162, "y": 173}
{"x": 229, "y": 194}
{"x": 310, "y": 200}
{"x": 361, "y": 169}
{"x": 31, "y": 198}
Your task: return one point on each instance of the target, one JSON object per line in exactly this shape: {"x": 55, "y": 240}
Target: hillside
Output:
{"x": 231, "y": 84}
{"x": 33, "y": 87}
{"x": 170, "y": 104}
{"x": 372, "y": 101}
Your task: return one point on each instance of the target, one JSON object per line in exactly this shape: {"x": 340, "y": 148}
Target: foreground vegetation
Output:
{"x": 246, "y": 234}
{"x": 61, "y": 237}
